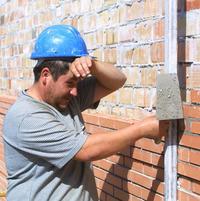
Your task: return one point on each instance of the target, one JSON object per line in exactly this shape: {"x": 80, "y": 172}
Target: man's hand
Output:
{"x": 81, "y": 67}
{"x": 154, "y": 128}
{"x": 108, "y": 77}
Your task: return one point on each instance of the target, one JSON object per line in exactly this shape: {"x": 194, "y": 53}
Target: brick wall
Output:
{"x": 130, "y": 34}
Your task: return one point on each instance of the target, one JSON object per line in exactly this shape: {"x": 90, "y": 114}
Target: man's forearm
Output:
{"x": 99, "y": 146}
{"x": 102, "y": 145}
{"x": 108, "y": 75}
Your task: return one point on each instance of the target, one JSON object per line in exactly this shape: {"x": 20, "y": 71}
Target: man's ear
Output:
{"x": 45, "y": 75}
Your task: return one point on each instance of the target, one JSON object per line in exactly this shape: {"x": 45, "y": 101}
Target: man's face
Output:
{"x": 59, "y": 92}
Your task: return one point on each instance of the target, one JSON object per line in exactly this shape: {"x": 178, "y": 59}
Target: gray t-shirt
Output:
{"x": 40, "y": 144}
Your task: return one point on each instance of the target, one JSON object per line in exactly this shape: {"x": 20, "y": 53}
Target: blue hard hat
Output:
{"x": 59, "y": 41}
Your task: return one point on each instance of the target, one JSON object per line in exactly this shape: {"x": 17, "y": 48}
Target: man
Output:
{"x": 47, "y": 150}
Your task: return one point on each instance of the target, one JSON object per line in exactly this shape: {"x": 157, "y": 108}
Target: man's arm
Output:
{"x": 98, "y": 146}
{"x": 109, "y": 78}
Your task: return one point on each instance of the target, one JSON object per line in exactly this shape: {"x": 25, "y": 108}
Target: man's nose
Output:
{"x": 73, "y": 91}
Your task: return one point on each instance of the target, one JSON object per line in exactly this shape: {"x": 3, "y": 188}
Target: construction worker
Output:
{"x": 47, "y": 149}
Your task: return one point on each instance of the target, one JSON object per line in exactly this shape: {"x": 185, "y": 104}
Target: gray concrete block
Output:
{"x": 169, "y": 104}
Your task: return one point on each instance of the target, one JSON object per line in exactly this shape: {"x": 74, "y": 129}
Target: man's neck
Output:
{"x": 33, "y": 91}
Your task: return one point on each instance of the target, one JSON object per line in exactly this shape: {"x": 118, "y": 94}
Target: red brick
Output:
{"x": 150, "y": 195}
{"x": 121, "y": 171}
{"x": 193, "y": 74}
{"x": 141, "y": 192}
{"x": 157, "y": 52}
{"x": 1, "y": 121}
{"x": 148, "y": 76}
{"x": 195, "y": 127}
{"x": 4, "y": 104}
{"x": 122, "y": 195}
{"x": 184, "y": 154}
{"x": 141, "y": 55}
{"x": 195, "y": 96}
{"x": 191, "y": 111}
{"x": 116, "y": 159}
{"x": 158, "y": 160}
{"x": 192, "y": 141}
{"x": 1, "y": 153}
{"x": 91, "y": 118}
{"x": 109, "y": 121}
{"x": 154, "y": 172}
{"x": 152, "y": 8}
{"x": 110, "y": 198}
{"x": 185, "y": 183}
{"x": 125, "y": 95}
{"x": 126, "y": 33}
{"x": 142, "y": 31}
{"x": 110, "y": 55}
{"x": 111, "y": 36}
{"x": 192, "y": 4}
{"x": 188, "y": 170}
{"x": 101, "y": 174}
{"x": 134, "y": 164}
{"x": 187, "y": 196}
{"x": 135, "y": 11}
{"x": 3, "y": 171}
{"x": 105, "y": 187}
{"x": 140, "y": 95}
{"x": 104, "y": 164}
{"x": 95, "y": 129}
{"x": 132, "y": 188}
{"x": 126, "y": 152}
{"x": 139, "y": 178}
{"x": 3, "y": 111}
{"x": 149, "y": 145}
{"x": 109, "y": 2}
{"x": 196, "y": 187}
{"x": 101, "y": 195}
{"x": 142, "y": 155}
{"x": 3, "y": 184}
{"x": 145, "y": 181}
{"x": 114, "y": 180}
{"x": 158, "y": 29}
{"x": 195, "y": 157}
{"x": 134, "y": 198}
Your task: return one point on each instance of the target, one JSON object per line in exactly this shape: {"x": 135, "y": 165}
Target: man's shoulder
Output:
{"x": 24, "y": 106}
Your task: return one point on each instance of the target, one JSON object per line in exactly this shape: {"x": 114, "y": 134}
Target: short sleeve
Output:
{"x": 86, "y": 92}
{"x": 43, "y": 135}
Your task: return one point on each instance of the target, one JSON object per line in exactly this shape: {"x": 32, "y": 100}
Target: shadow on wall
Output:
{"x": 183, "y": 50}
{"x": 131, "y": 188}
{"x": 183, "y": 58}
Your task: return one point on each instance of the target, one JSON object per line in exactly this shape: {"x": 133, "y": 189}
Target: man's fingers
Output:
{"x": 74, "y": 70}
{"x": 164, "y": 126}
{"x": 85, "y": 68}
{"x": 82, "y": 66}
{"x": 79, "y": 67}
{"x": 88, "y": 61}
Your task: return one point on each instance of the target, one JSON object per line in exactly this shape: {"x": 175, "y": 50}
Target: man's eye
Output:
{"x": 70, "y": 84}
